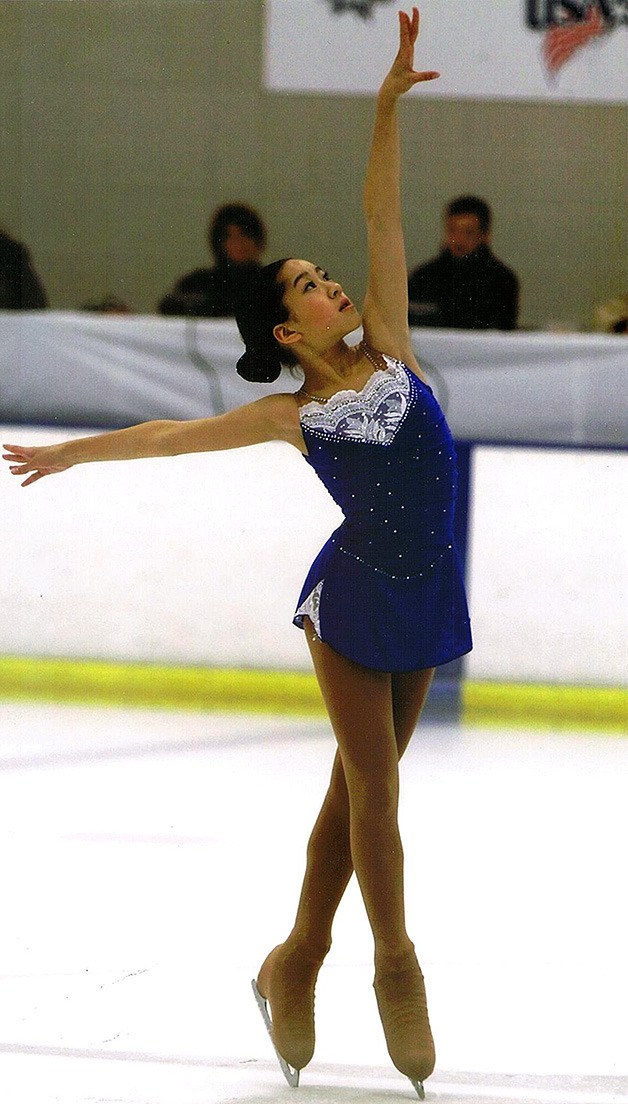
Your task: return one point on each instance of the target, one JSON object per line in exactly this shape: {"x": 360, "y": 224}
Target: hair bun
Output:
{"x": 259, "y": 308}
{"x": 259, "y": 366}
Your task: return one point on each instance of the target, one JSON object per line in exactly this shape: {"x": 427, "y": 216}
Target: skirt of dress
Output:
{"x": 385, "y": 622}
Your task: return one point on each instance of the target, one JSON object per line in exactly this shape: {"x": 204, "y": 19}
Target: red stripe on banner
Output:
{"x": 563, "y": 41}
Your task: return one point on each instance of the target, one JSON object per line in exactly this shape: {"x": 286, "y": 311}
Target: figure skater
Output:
{"x": 383, "y": 603}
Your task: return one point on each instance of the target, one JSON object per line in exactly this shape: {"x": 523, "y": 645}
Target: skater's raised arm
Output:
{"x": 272, "y": 418}
{"x": 386, "y": 304}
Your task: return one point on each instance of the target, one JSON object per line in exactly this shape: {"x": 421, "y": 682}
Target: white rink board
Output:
{"x": 549, "y": 565}
{"x": 200, "y": 560}
{"x": 188, "y": 560}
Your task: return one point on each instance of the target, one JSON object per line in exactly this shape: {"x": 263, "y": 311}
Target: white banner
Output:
{"x": 556, "y": 50}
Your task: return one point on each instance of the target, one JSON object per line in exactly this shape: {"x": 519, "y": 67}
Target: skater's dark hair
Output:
{"x": 257, "y": 316}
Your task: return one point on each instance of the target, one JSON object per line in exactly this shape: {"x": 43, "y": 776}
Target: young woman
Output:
{"x": 383, "y": 603}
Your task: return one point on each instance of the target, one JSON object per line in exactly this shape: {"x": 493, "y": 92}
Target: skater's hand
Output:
{"x": 40, "y": 461}
{"x": 402, "y": 76}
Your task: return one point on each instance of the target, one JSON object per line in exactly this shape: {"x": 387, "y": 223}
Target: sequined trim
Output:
{"x": 389, "y": 574}
{"x": 311, "y": 607}
{"x": 372, "y": 415}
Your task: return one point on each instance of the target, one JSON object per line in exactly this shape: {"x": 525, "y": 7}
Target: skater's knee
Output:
{"x": 372, "y": 794}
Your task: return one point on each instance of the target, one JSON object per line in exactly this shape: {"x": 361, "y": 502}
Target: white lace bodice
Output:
{"x": 372, "y": 415}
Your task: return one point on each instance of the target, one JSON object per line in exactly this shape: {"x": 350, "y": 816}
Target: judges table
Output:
{"x": 80, "y": 369}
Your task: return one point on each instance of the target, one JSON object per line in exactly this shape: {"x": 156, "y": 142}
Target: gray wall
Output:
{"x": 124, "y": 123}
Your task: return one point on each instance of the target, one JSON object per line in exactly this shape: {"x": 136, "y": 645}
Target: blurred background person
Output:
{"x": 236, "y": 236}
{"x": 20, "y": 286}
{"x": 111, "y": 304}
{"x": 465, "y": 287}
{"x": 612, "y": 316}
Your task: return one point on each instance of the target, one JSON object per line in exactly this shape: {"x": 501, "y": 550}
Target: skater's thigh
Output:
{"x": 360, "y": 707}
{"x": 409, "y": 691}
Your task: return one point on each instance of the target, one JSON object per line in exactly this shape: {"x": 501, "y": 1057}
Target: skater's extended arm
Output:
{"x": 273, "y": 418}
{"x": 386, "y": 303}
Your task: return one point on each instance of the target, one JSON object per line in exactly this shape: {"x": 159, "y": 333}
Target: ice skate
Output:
{"x": 286, "y": 983}
{"x": 402, "y": 1007}
{"x": 291, "y": 1075}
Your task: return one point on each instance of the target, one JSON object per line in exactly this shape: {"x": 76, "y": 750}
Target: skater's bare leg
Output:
{"x": 360, "y": 705}
{"x": 329, "y": 863}
{"x": 288, "y": 975}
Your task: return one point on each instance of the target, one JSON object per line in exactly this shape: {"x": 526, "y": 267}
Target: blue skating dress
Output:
{"x": 386, "y": 590}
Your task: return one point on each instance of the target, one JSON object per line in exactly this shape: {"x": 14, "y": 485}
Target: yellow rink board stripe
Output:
{"x": 554, "y": 706}
{"x": 159, "y": 687}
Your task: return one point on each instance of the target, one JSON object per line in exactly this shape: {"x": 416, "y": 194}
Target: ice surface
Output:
{"x": 151, "y": 859}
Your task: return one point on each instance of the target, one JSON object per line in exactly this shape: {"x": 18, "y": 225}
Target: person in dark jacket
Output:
{"x": 20, "y": 286}
{"x": 465, "y": 287}
{"x": 237, "y": 238}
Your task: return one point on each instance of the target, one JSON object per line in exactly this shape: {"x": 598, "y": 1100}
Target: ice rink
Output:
{"x": 151, "y": 859}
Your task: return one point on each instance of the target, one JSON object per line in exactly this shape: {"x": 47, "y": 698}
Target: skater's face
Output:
{"x": 320, "y": 314}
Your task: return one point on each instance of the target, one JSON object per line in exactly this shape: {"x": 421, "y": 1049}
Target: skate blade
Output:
{"x": 419, "y": 1089}
{"x": 291, "y": 1075}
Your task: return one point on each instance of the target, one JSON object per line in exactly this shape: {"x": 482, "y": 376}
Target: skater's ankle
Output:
{"x": 309, "y": 948}
{"x": 390, "y": 957}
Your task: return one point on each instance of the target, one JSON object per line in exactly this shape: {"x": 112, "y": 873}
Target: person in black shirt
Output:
{"x": 20, "y": 286}
{"x": 465, "y": 287}
{"x": 237, "y": 238}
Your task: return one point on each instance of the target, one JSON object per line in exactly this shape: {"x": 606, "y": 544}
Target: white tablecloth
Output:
{"x": 102, "y": 370}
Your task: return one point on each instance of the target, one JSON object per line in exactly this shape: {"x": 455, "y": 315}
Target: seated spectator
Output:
{"x": 465, "y": 287}
{"x": 612, "y": 317}
{"x": 109, "y": 305}
{"x": 237, "y": 238}
{"x": 20, "y": 286}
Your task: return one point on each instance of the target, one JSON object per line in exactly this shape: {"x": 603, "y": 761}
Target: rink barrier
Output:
{"x": 157, "y": 686}
{"x": 542, "y": 705}
{"x": 290, "y": 692}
